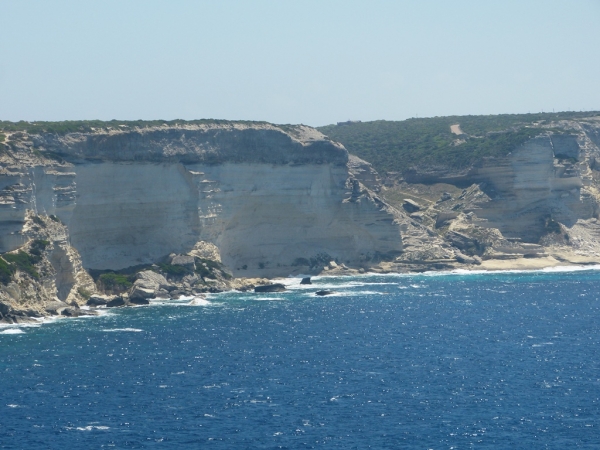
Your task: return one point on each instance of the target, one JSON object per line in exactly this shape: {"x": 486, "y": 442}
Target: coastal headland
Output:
{"x": 92, "y": 212}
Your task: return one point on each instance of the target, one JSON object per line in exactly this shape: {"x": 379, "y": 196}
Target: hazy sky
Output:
{"x": 285, "y": 61}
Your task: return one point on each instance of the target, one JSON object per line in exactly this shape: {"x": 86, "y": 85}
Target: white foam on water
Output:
{"x": 131, "y": 330}
{"x": 21, "y": 325}
{"x": 264, "y": 298}
{"x": 91, "y": 316}
{"x": 12, "y": 331}
{"x": 462, "y": 272}
{"x": 575, "y": 268}
{"x": 39, "y": 321}
{"x": 571, "y": 268}
{"x": 199, "y": 301}
{"x": 344, "y": 294}
{"x": 105, "y": 312}
{"x": 542, "y": 344}
{"x": 50, "y": 319}
{"x": 343, "y": 285}
{"x": 354, "y": 293}
{"x": 180, "y": 301}
{"x": 162, "y": 302}
{"x": 89, "y": 428}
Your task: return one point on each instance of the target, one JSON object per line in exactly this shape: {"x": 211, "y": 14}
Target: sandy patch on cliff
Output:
{"x": 519, "y": 264}
{"x": 456, "y": 129}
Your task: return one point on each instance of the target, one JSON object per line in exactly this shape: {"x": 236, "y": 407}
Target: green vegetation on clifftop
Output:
{"x": 396, "y": 146}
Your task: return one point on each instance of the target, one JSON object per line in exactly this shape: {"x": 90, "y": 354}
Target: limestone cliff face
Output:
{"x": 272, "y": 201}
{"x": 541, "y": 199}
{"x": 552, "y": 175}
{"x": 542, "y": 179}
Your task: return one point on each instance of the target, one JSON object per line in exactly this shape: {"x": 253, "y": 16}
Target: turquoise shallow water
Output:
{"x": 444, "y": 361}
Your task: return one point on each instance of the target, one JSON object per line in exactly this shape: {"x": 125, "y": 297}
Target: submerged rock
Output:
{"x": 324, "y": 292}
{"x": 306, "y": 281}
{"x": 75, "y": 312}
{"x": 275, "y": 287}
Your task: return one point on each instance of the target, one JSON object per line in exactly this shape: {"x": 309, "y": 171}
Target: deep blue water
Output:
{"x": 445, "y": 361}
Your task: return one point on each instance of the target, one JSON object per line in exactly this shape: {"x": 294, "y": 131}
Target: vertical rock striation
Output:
{"x": 272, "y": 201}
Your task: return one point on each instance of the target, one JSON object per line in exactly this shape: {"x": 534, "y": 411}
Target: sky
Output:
{"x": 288, "y": 61}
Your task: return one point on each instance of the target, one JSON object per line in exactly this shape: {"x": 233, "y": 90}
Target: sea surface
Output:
{"x": 430, "y": 361}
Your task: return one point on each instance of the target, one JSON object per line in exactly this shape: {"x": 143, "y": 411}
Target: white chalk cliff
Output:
{"x": 269, "y": 200}
{"x": 272, "y": 200}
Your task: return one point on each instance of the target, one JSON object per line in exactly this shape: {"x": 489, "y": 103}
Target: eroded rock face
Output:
{"x": 268, "y": 200}
{"x": 48, "y": 275}
{"x": 550, "y": 178}
{"x": 532, "y": 184}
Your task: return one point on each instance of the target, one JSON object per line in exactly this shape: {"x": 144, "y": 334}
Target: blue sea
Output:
{"x": 430, "y": 361}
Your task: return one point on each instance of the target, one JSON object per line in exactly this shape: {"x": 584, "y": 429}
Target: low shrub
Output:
{"x": 115, "y": 281}
{"x": 23, "y": 262}
{"x": 38, "y": 221}
{"x": 174, "y": 270}
{"x": 37, "y": 247}
{"x": 398, "y": 146}
{"x": 84, "y": 293}
{"x": 207, "y": 268}
{"x": 6, "y": 272}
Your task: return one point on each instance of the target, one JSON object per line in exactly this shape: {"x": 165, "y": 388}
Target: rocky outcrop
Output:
{"x": 96, "y": 300}
{"x": 116, "y": 301}
{"x": 46, "y": 271}
{"x": 153, "y": 281}
{"x": 45, "y": 275}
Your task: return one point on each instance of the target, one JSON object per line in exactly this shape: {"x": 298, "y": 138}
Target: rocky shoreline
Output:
{"x": 151, "y": 285}
{"x": 202, "y": 208}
